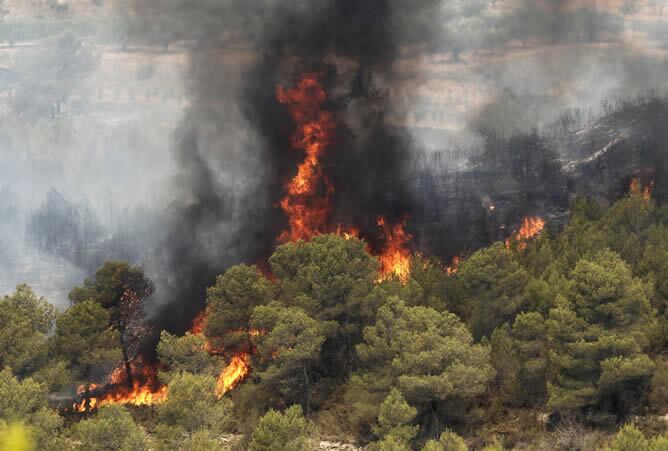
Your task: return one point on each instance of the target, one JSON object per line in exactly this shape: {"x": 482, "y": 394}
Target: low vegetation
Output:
{"x": 554, "y": 343}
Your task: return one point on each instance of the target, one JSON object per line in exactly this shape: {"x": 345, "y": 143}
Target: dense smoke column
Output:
{"x": 352, "y": 46}
{"x": 231, "y": 182}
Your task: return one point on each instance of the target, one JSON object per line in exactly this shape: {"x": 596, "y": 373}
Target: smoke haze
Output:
{"x": 158, "y": 138}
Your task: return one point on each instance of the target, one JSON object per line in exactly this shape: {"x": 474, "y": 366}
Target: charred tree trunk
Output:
{"x": 126, "y": 359}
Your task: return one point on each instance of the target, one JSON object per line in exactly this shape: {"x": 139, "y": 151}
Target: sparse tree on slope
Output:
{"x": 278, "y": 431}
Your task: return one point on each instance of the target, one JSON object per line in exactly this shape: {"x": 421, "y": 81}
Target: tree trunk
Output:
{"x": 126, "y": 361}
{"x": 307, "y": 404}
{"x": 437, "y": 426}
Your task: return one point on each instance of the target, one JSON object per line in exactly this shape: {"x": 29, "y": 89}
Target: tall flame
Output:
{"x": 233, "y": 374}
{"x": 307, "y": 203}
{"x": 531, "y": 228}
{"x": 395, "y": 258}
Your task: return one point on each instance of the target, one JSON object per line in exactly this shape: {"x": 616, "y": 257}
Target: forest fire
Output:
{"x": 307, "y": 203}
{"x": 144, "y": 391}
{"x": 198, "y": 323}
{"x": 637, "y": 188}
{"x": 233, "y": 374}
{"x": 395, "y": 258}
{"x": 531, "y": 227}
{"x": 454, "y": 266}
{"x": 239, "y": 367}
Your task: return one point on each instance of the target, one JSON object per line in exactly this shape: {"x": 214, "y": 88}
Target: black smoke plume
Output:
{"x": 233, "y": 145}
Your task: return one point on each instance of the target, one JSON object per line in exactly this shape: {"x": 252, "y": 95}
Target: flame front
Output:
{"x": 531, "y": 228}
{"x": 395, "y": 259}
{"x": 307, "y": 203}
{"x": 145, "y": 391}
{"x": 233, "y": 374}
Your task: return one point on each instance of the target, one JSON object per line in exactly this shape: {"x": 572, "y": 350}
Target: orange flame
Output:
{"x": 636, "y": 189}
{"x": 198, "y": 323}
{"x": 146, "y": 391}
{"x": 395, "y": 258}
{"x": 454, "y": 266}
{"x": 233, "y": 374}
{"x": 305, "y": 205}
{"x": 531, "y": 227}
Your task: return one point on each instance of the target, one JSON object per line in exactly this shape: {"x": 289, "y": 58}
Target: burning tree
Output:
{"x": 121, "y": 289}
{"x": 83, "y": 338}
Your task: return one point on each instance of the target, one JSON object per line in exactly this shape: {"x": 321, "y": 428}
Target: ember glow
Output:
{"x": 198, "y": 323}
{"x": 145, "y": 390}
{"x": 233, "y": 374}
{"x": 531, "y": 228}
{"x": 636, "y": 188}
{"x": 307, "y": 203}
{"x": 395, "y": 258}
{"x": 454, "y": 266}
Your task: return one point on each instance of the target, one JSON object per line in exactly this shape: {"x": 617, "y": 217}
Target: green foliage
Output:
{"x": 16, "y": 437}
{"x": 394, "y": 418}
{"x": 112, "y": 429}
{"x": 289, "y": 350}
{"x": 495, "y": 284}
{"x": 26, "y": 401}
{"x": 494, "y": 446}
{"x": 429, "y": 356}
{"x": 597, "y": 337}
{"x": 506, "y": 363}
{"x": 117, "y": 285}
{"x": 83, "y": 338}
{"x": 19, "y": 399}
{"x": 278, "y": 431}
{"x": 192, "y": 405}
{"x": 185, "y": 354}
{"x": 428, "y": 284}
{"x": 55, "y": 374}
{"x": 230, "y": 305}
{"x": 530, "y": 343}
{"x": 629, "y": 438}
{"x": 449, "y": 441}
{"x": 201, "y": 440}
{"x": 389, "y": 443}
{"x": 25, "y": 321}
{"x": 331, "y": 278}
{"x": 658, "y": 393}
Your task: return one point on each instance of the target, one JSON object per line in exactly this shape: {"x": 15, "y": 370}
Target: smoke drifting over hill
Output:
{"x": 460, "y": 116}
